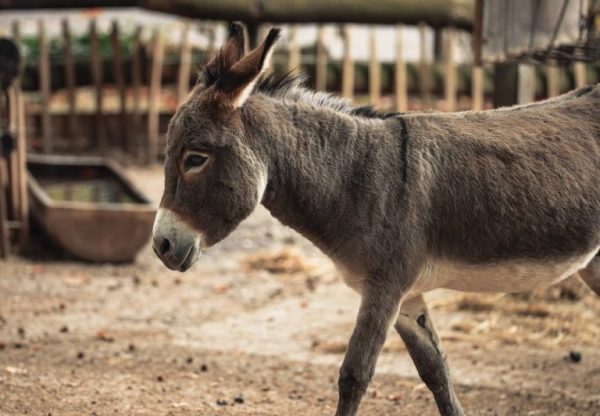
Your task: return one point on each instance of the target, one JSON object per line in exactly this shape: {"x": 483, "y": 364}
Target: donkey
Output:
{"x": 486, "y": 201}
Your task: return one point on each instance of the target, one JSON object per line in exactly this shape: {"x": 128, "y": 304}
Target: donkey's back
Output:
{"x": 513, "y": 194}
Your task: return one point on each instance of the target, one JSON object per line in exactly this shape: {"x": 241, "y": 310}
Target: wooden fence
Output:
{"x": 143, "y": 94}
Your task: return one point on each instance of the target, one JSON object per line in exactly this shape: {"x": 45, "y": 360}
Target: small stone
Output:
{"x": 189, "y": 360}
{"x": 221, "y": 402}
{"x": 21, "y": 332}
{"x": 204, "y": 368}
{"x": 64, "y": 329}
{"x": 160, "y": 379}
{"x": 575, "y": 356}
{"x": 80, "y": 355}
{"x": 131, "y": 347}
{"x": 239, "y": 399}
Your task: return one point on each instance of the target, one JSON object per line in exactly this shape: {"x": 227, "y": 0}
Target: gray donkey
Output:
{"x": 491, "y": 201}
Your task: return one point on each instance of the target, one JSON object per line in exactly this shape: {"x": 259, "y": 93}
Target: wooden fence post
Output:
{"x": 293, "y": 49}
{"x": 136, "y": 82}
{"x": 154, "y": 97}
{"x": 71, "y": 82}
{"x": 580, "y": 74}
{"x": 374, "y": 70}
{"x": 449, "y": 70}
{"x": 44, "y": 72}
{"x": 321, "y": 61}
{"x": 119, "y": 77}
{"x": 424, "y": 67}
{"x": 21, "y": 151}
{"x": 552, "y": 79}
{"x": 400, "y": 84}
{"x": 185, "y": 65}
{"x": 477, "y": 87}
{"x": 96, "y": 70}
{"x": 347, "y": 64}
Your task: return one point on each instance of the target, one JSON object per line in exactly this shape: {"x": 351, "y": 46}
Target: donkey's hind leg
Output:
{"x": 591, "y": 274}
{"x": 422, "y": 342}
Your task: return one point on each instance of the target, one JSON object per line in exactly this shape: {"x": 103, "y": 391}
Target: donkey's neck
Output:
{"x": 322, "y": 176}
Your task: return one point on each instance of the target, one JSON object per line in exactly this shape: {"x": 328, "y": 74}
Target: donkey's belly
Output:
{"x": 510, "y": 276}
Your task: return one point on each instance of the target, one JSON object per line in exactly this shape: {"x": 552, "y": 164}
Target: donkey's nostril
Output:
{"x": 164, "y": 247}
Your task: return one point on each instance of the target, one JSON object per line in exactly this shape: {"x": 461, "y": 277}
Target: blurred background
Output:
{"x": 92, "y": 322}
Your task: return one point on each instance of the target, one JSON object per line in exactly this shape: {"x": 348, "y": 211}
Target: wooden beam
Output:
{"x": 119, "y": 77}
{"x": 96, "y": 70}
{"x": 71, "y": 81}
{"x": 185, "y": 64}
{"x": 477, "y": 87}
{"x": 347, "y": 64}
{"x": 154, "y": 97}
{"x": 580, "y": 74}
{"x": 400, "y": 84}
{"x": 449, "y": 70}
{"x": 321, "y": 61}
{"x": 374, "y": 70}
{"x": 294, "y": 61}
{"x": 21, "y": 151}
{"x": 552, "y": 79}
{"x": 44, "y": 72}
{"x": 424, "y": 67}
{"x": 526, "y": 84}
{"x": 136, "y": 83}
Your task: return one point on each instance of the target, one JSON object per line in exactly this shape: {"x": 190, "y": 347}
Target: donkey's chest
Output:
{"x": 509, "y": 276}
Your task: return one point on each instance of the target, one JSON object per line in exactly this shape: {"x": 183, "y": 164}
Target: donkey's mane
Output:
{"x": 292, "y": 87}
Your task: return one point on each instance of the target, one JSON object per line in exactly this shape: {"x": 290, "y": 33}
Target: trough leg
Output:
{"x": 378, "y": 308}
{"x": 591, "y": 274}
{"x": 422, "y": 342}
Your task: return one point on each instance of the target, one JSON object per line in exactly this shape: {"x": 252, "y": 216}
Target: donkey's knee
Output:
{"x": 591, "y": 274}
{"x": 353, "y": 382}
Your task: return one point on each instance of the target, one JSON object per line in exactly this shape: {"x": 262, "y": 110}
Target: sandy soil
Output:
{"x": 258, "y": 327}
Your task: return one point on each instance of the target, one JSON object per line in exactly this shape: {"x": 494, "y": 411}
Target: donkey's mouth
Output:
{"x": 189, "y": 260}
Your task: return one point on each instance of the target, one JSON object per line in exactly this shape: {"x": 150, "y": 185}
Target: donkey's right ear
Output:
{"x": 226, "y": 57}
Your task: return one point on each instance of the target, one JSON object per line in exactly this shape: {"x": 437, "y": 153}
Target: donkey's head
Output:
{"x": 213, "y": 178}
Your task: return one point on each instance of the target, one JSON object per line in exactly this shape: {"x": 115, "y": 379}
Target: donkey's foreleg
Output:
{"x": 378, "y": 308}
{"x": 591, "y": 274}
{"x": 422, "y": 342}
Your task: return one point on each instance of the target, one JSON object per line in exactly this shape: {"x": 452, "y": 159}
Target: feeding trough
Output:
{"x": 88, "y": 207}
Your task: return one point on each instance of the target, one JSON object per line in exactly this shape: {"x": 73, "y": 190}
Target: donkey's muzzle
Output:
{"x": 174, "y": 242}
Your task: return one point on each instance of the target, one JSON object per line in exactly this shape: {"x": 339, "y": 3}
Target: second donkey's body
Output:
{"x": 502, "y": 201}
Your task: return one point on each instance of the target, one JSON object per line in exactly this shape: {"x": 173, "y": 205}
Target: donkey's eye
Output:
{"x": 194, "y": 160}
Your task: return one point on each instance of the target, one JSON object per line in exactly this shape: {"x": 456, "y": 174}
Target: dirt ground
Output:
{"x": 258, "y": 327}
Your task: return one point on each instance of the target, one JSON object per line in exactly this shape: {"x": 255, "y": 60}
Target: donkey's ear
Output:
{"x": 234, "y": 88}
{"x": 226, "y": 57}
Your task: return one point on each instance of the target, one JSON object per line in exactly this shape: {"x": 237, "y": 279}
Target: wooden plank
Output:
{"x": 185, "y": 64}
{"x": 71, "y": 83}
{"x": 293, "y": 50}
{"x": 321, "y": 61}
{"x": 21, "y": 151}
{"x": 552, "y": 79}
{"x": 347, "y": 64}
{"x": 449, "y": 70}
{"x": 154, "y": 97}
{"x": 374, "y": 70}
{"x": 400, "y": 84}
{"x": 44, "y": 73}
{"x": 4, "y": 231}
{"x": 119, "y": 77}
{"x": 580, "y": 74}
{"x": 477, "y": 86}
{"x": 13, "y": 162}
{"x": 96, "y": 70}
{"x": 136, "y": 84}
{"x": 526, "y": 83}
{"x": 424, "y": 67}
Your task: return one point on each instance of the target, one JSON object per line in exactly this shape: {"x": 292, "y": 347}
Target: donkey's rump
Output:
{"x": 511, "y": 184}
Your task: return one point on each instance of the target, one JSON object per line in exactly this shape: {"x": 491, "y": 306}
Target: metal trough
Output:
{"x": 88, "y": 207}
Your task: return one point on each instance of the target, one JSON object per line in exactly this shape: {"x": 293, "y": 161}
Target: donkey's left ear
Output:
{"x": 235, "y": 86}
